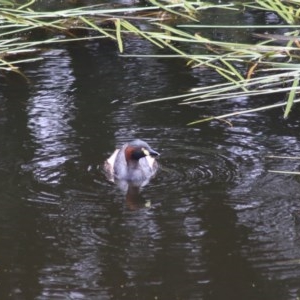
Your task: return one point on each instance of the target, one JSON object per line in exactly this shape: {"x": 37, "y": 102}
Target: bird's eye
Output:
{"x": 145, "y": 151}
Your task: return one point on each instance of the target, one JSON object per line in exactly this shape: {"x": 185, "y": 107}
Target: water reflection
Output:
{"x": 50, "y": 111}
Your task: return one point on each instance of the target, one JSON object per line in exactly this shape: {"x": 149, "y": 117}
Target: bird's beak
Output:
{"x": 150, "y": 152}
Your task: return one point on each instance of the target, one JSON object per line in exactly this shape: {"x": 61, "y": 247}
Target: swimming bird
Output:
{"x": 133, "y": 163}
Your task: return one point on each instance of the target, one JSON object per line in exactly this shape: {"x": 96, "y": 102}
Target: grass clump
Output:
{"x": 248, "y": 68}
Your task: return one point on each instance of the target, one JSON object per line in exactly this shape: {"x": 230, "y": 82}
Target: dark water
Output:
{"x": 213, "y": 223}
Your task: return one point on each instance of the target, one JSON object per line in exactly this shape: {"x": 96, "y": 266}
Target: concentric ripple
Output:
{"x": 196, "y": 166}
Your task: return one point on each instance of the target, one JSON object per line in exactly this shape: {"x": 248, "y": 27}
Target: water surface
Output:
{"x": 213, "y": 223}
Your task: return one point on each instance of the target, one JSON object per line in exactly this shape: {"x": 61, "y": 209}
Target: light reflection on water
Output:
{"x": 50, "y": 110}
{"x": 212, "y": 224}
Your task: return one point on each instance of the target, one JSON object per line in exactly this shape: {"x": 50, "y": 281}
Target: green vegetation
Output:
{"x": 267, "y": 67}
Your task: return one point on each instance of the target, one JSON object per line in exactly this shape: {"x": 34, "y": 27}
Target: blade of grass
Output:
{"x": 284, "y": 172}
{"x": 283, "y": 157}
{"x": 134, "y": 29}
{"x": 118, "y": 35}
{"x": 279, "y": 8}
{"x": 168, "y": 9}
{"x": 94, "y": 26}
{"x": 242, "y": 112}
{"x": 26, "y": 5}
{"x": 218, "y": 96}
{"x": 291, "y": 97}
